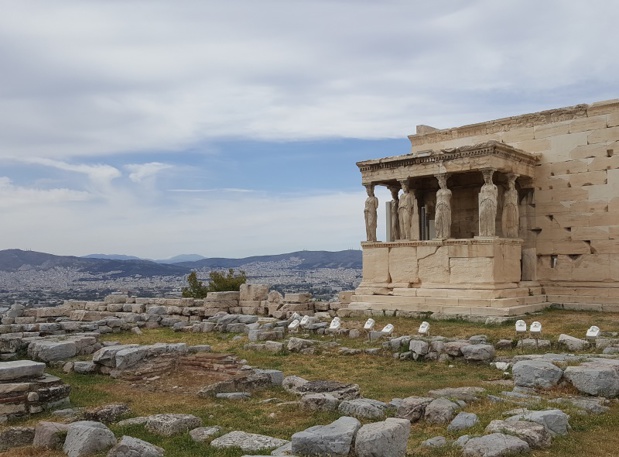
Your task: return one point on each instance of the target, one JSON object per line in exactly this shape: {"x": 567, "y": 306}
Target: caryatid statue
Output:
{"x": 510, "y": 218}
{"x": 370, "y": 213}
{"x": 442, "y": 213}
{"x": 394, "y": 222}
{"x": 488, "y": 205}
{"x": 405, "y": 212}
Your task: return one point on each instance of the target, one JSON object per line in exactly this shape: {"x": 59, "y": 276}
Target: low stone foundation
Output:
{"x": 463, "y": 277}
{"x": 26, "y": 389}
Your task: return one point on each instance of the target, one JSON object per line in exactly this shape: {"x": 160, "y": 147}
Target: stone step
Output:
{"x": 20, "y": 369}
{"x": 499, "y": 307}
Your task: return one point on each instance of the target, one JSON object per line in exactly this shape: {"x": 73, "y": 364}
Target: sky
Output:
{"x": 230, "y": 128}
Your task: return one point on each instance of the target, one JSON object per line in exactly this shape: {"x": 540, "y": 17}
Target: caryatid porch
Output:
{"x": 457, "y": 231}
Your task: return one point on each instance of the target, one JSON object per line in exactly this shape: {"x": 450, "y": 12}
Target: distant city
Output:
{"x": 38, "y": 279}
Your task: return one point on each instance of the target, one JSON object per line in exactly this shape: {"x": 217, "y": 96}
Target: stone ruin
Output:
{"x": 68, "y": 330}
{"x": 53, "y": 337}
{"x": 26, "y": 389}
{"x": 499, "y": 218}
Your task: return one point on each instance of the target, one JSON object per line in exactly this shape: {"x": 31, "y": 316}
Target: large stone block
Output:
{"x": 333, "y": 440}
{"x": 536, "y": 373}
{"x": 301, "y": 298}
{"x": 253, "y": 292}
{"x": 375, "y": 265}
{"x": 471, "y": 270}
{"x": 172, "y": 424}
{"x": 388, "y": 438}
{"x": 494, "y": 445}
{"x": 50, "y": 435}
{"x": 86, "y": 438}
{"x": 603, "y": 135}
{"x": 413, "y": 408}
{"x": 17, "y": 369}
{"x": 536, "y": 435}
{"x": 88, "y": 316}
{"x": 248, "y": 442}
{"x": 403, "y": 265}
{"x": 363, "y": 408}
{"x": 135, "y": 447}
{"x": 595, "y": 378}
{"x": 55, "y": 311}
{"x": 440, "y": 411}
{"x": 433, "y": 264}
{"x": 107, "y": 356}
{"x": 49, "y": 351}
{"x": 555, "y": 420}
{"x": 230, "y": 296}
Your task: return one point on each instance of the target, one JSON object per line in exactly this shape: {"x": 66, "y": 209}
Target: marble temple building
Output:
{"x": 498, "y": 218}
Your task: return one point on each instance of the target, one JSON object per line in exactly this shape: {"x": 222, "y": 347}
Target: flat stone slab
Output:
{"x": 364, "y": 408}
{"x": 20, "y": 369}
{"x": 536, "y": 435}
{"x": 51, "y": 351}
{"x": 555, "y": 420}
{"x": 536, "y": 373}
{"x": 204, "y": 433}
{"x": 129, "y": 446}
{"x": 248, "y": 442}
{"x": 463, "y": 421}
{"x": 458, "y": 393}
{"x": 171, "y": 424}
{"x": 339, "y": 390}
{"x": 494, "y": 445}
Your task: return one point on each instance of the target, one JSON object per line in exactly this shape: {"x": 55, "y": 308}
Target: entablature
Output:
{"x": 490, "y": 155}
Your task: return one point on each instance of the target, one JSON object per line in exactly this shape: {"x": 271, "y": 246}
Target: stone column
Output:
{"x": 405, "y": 211}
{"x": 371, "y": 213}
{"x": 510, "y": 217}
{"x": 488, "y": 196}
{"x": 442, "y": 213}
{"x": 415, "y": 217}
{"x": 394, "y": 222}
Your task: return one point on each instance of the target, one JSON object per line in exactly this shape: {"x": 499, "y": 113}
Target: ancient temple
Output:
{"x": 498, "y": 218}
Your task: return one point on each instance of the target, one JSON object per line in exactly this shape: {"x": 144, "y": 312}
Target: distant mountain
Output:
{"x": 112, "y": 257}
{"x": 182, "y": 258}
{"x": 18, "y": 260}
{"x": 308, "y": 260}
{"x": 13, "y": 260}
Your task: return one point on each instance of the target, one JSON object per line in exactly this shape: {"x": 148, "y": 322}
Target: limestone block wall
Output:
{"x": 571, "y": 215}
{"x": 120, "y": 312}
{"x": 466, "y": 263}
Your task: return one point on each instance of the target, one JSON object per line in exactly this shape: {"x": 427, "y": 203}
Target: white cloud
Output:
{"x": 99, "y": 174}
{"x": 111, "y": 77}
{"x": 145, "y": 171}
{"x": 222, "y": 190}
{"x": 19, "y": 198}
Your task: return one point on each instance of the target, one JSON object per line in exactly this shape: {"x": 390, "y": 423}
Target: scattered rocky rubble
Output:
{"x": 591, "y": 374}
